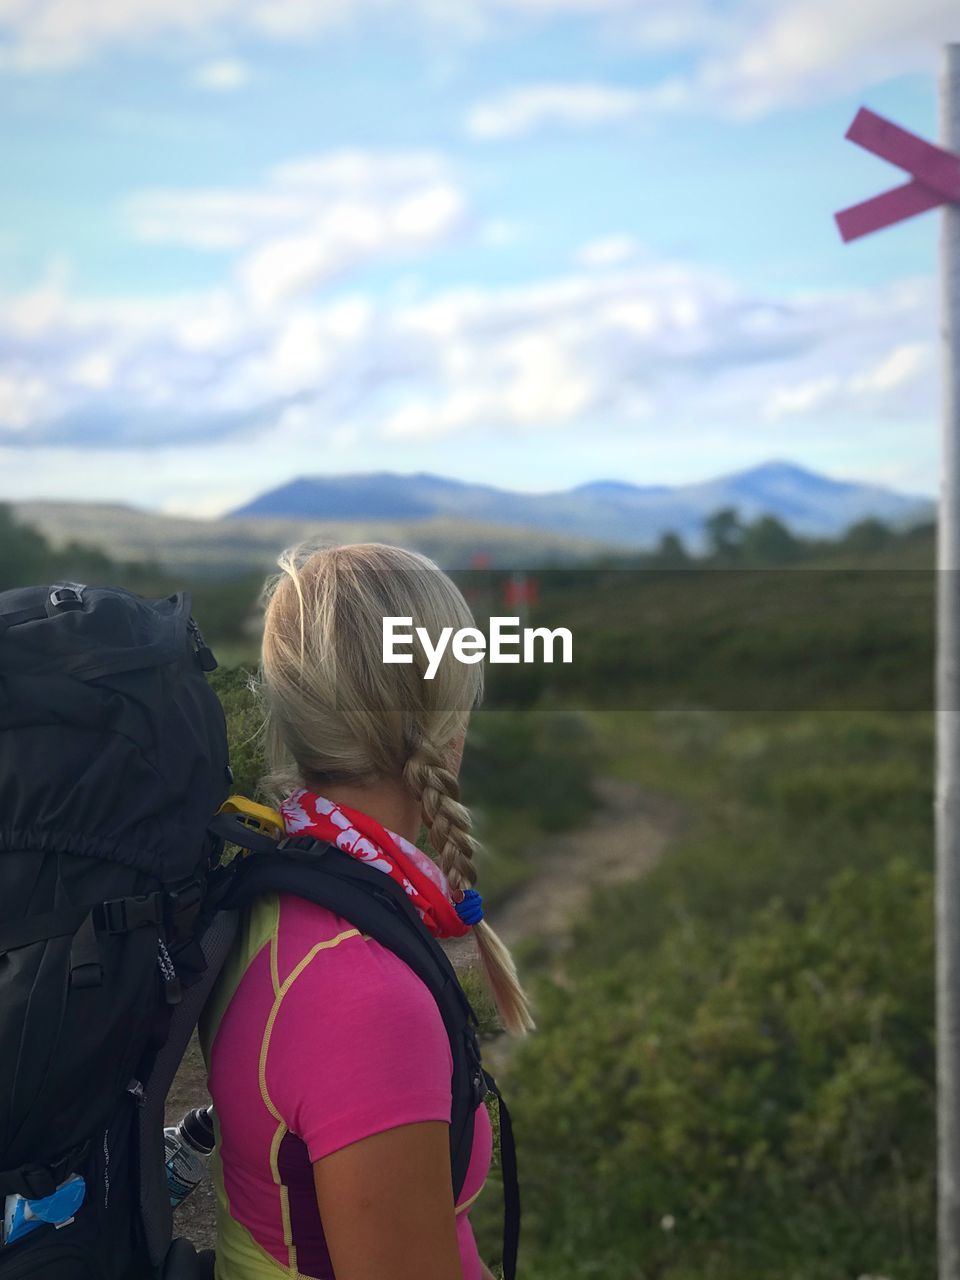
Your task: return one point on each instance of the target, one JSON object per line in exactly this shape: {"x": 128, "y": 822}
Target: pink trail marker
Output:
{"x": 934, "y": 172}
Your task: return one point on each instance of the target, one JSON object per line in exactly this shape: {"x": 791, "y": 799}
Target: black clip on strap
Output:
{"x": 232, "y": 828}
{"x": 40, "y": 1180}
{"x": 119, "y": 915}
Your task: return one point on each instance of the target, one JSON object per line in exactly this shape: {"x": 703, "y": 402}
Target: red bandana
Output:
{"x": 305, "y": 813}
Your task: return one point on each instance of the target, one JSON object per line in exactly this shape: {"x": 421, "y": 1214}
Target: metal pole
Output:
{"x": 948, "y": 709}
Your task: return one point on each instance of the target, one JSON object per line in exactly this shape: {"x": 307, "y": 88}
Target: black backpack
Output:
{"x": 116, "y": 913}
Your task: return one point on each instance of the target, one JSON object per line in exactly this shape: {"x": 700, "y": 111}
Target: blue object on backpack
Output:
{"x": 22, "y": 1215}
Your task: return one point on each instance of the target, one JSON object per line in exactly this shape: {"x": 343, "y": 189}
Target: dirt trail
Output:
{"x": 625, "y": 837}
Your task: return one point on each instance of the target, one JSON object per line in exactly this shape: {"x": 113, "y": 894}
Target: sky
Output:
{"x": 532, "y": 243}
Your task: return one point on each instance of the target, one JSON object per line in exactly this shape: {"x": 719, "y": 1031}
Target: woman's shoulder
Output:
{"x": 303, "y": 926}
{"x": 350, "y": 1021}
{"x": 322, "y": 956}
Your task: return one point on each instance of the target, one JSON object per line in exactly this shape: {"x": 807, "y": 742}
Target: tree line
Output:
{"x": 228, "y": 605}
{"x": 767, "y": 541}
{"x": 224, "y": 606}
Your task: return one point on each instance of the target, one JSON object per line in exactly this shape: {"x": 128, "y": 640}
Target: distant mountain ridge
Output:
{"x": 613, "y": 511}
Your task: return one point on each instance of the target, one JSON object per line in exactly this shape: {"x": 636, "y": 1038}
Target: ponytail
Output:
{"x": 449, "y": 824}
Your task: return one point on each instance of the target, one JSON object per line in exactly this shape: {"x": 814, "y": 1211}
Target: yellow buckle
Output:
{"x": 259, "y": 817}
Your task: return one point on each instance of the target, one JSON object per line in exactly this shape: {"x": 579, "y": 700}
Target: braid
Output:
{"x": 446, "y": 819}
{"x": 449, "y": 824}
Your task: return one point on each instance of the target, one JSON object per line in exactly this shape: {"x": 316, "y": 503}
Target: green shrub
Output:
{"x": 526, "y": 775}
{"x": 760, "y": 1109}
{"x": 733, "y": 1076}
{"x": 536, "y": 762}
{"x": 244, "y": 721}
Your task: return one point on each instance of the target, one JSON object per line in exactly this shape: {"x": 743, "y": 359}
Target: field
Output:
{"x": 735, "y": 1065}
{"x": 730, "y": 949}
{"x": 709, "y": 843}
{"x": 724, "y": 912}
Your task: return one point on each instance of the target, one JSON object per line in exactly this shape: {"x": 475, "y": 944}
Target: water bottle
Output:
{"x": 187, "y": 1145}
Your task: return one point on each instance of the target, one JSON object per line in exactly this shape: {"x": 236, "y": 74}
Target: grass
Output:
{"x": 742, "y": 1041}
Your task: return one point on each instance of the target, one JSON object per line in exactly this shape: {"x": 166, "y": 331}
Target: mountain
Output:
{"x": 218, "y": 548}
{"x": 610, "y": 511}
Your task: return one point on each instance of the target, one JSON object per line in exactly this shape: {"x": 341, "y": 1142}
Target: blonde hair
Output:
{"x": 336, "y": 712}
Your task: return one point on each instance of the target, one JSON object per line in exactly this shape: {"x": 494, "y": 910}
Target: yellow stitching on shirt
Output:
{"x": 274, "y": 962}
{"x": 265, "y": 1094}
{"x": 465, "y": 1204}
{"x": 284, "y": 988}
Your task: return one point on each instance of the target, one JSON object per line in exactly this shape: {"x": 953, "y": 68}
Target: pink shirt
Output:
{"x": 315, "y": 1038}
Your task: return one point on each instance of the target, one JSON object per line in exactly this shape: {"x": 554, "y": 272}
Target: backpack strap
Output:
{"x": 321, "y": 873}
{"x": 511, "y": 1183}
{"x": 119, "y": 915}
{"x": 375, "y": 904}
{"x": 39, "y": 1180}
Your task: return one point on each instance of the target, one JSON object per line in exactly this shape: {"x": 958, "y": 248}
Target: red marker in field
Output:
{"x": 934, "y": 176}
{"x": 521, "y": 591}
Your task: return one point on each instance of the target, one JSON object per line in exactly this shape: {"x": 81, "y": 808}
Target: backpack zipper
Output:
{"x": 172, "y": 992}
{"x": 478, "y": 1077}
{"x": 200, "y": 647}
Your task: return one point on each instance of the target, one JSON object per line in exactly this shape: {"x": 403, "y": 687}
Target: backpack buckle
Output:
{"x": 120, "y": 915}
{"x": 39, "y": 1180}
{"x": 69, "y": 595}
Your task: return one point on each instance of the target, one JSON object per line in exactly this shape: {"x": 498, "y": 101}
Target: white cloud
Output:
{"x": 802, "y": 397}
{"x": 748, "y": 56}
{"x": 804, "y": 50}
{"x": 678, "y": 345}
{"x": 762, "y": 56}
{"x": 639, "y": 346}
{"x": 290, "y": 194}
{"x": 524, "y": 110}
{"x": 94, "y": 370}
{"x": 900, "y": 368}
{"x": 537, "y": 384}
{"x": 885, "y": 386}
{"x": 312, "y": 219}
{"x": 608, "y": 251}
{"x": 24, "y": 398}
{"x": 50, "y": 34}
{"x": 520, "y": 111}
{"x": 223, "y": 75}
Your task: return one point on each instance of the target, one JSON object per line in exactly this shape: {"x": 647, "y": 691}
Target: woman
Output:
{"x": 329, "y": 1065}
